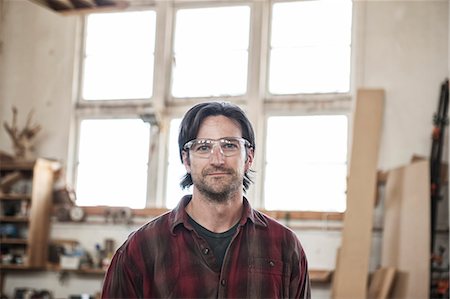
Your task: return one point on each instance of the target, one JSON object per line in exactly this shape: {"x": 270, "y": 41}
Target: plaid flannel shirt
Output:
{"x": 166, "y": 258}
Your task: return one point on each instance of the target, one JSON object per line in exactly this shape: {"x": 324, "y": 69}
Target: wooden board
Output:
{"x": 320, "y": 276}
{"x": 350, "y": 279}
{"x": 381, "y": 283}
{"x": 43, "y": 178}
{"x": 406, "y": 235}
{"x": 79, "y": 7}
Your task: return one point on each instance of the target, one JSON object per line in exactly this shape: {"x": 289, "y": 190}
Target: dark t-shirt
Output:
{"x": 218, "y": 241}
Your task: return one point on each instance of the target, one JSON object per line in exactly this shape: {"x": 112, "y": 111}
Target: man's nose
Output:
{"x": 217, "y": 156}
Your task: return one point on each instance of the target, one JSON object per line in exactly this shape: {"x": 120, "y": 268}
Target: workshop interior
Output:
{"x": 348, "y": 100}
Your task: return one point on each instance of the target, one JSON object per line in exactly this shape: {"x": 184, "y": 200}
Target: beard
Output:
{"x": 218, "y": 189}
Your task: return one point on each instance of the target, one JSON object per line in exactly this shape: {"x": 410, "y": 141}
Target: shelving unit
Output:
{"x": 25, "y": 207}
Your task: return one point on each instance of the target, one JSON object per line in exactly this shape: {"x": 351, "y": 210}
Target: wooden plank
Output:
{"x": 406, "y": 236}
{"x": 13, "y": 241}
{"x": 79, "y": 7}
{"x": 320, "y": 276}
{"x": 83, "y": 3}
{"x": 17, "y": 165}
{"x": 43, "y": 178}
{"x": 118, "y": 6}
{"x": 15, "y": 197}
{"x": 350, "y": 279}
{"x": 17, "y": 219}
{"x": 381, "y": 283}
{"x": 60, "y": 4}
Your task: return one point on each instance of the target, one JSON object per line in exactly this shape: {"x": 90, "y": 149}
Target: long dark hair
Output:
{"x": 193, "y": 119}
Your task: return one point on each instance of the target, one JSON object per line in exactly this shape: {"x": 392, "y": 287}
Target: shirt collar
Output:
{"x": 179, "y": 216}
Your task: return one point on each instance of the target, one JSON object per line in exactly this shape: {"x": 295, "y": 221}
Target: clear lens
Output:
{"x": 203, "y": 148}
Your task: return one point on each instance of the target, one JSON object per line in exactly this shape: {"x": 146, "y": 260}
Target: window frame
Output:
{"x": 258, "y": 102}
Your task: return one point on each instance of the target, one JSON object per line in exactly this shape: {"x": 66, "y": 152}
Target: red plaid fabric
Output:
{"x": 166, "y": 258}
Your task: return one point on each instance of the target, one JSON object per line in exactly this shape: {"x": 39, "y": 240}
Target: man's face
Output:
{"x": 218, "y": 176}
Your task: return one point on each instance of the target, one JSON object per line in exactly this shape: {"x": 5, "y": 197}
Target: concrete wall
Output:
{"x": 400, "y": 46}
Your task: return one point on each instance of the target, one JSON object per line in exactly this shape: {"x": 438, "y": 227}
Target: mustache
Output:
{"x": 217, "y": 169}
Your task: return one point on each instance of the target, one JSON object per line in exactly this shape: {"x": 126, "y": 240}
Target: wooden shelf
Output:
{"x": 14, "y": 196}
{"x": 81, "y": 271}
{"x": 14, "y": 267}
{"x": 15, "y": 241}
{"x": 281, "y": 215}
{"x": 18, "y": 165}
{"x": 14, "y": 219}
{"x": 39, "y": 175}
{"x": 320, "y": 276}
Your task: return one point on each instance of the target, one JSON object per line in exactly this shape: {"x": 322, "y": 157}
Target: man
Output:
{"x": 213, "y": 244}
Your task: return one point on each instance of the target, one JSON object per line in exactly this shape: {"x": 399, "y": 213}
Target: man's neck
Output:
{"x": 215, "y": 216}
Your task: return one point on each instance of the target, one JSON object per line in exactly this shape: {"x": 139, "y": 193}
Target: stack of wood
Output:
{"x": 405, "y": 257}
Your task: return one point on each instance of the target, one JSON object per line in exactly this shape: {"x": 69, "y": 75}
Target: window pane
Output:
{"x": 211, "y": 51}
{"x": 310, "y": 47}
{"x": 175, "y": 169}
{"x": 113, "y": 157}
{"x": 119, "y": 56}
{"x": 313, "y": 162}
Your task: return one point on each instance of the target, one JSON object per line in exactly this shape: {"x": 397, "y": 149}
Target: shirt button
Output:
{"x": 205, "y": 251}
{"x": 271, "y": 263}
{"x": 222, "y": 282}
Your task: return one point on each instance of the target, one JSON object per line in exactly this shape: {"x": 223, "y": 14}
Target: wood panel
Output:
{"x": 350, "y": 279}
{"x": 43, "y": 179}
{"x": 406, "y": 236}
{"x": 381, "y": 283}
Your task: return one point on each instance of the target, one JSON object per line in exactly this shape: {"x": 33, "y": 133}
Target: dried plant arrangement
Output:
{"x": 22, "y": 139}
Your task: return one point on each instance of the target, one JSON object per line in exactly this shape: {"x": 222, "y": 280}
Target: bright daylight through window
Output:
{"x": 119, "y": 65}
{"x": 310, "y": 47}
{"x": 112, "y": 163}
{"x": 304, "y": 154}
{"x": 211, "y": 51}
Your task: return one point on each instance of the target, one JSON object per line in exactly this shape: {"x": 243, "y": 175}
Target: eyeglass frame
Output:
{"x": 187, "y": 146}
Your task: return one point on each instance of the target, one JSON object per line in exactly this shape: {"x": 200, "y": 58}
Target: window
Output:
{"x": 112, "y": 156}
{"x": 306, "y": 160}
{"x": 267, "y": 56}
{"x": 112, "y": 162}
{"x": 118, "y": 60}
{"x": 211, "y": 52}
{"x": 310, "y": 47}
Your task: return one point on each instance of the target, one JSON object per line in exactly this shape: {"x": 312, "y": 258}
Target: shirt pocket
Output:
{"x": 269, "y": 278}
{"x": 267, "y": 266}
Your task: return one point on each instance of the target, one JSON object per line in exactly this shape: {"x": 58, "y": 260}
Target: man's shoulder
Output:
{"x": 271, "y": 222}
{"x": 160, "y": 223}
{"x": 278, "y": 233}
{"x": 149, "y": 235}
{"x": 266, "y": 218}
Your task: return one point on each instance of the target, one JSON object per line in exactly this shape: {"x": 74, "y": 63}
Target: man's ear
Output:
{"x": 186, "y": 161}
{"x": 249, "y": 159}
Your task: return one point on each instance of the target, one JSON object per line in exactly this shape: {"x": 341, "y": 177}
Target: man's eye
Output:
{"x": 203, "y": 148}
{"x": 230, "y": 146}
